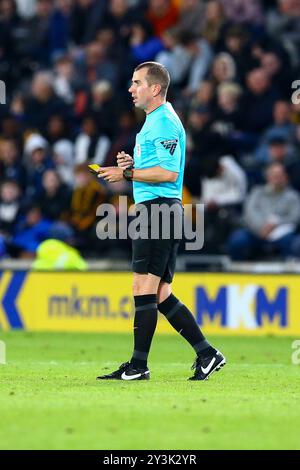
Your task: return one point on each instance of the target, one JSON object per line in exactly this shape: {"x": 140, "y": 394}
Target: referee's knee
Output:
{"x": 164, "y": 291}
{"x": 139, "y": 289}
{"x": 143, "y": 285}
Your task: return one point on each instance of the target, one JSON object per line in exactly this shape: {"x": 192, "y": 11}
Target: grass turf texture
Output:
{"x": 49, "y": 398}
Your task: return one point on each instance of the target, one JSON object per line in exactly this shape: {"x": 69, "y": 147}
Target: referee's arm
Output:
{"x": 154, "y": 174}
{"x": 168, "y": 154}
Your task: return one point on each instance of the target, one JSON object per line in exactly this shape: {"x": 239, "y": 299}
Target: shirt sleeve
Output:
{"x": 167, "y": 146}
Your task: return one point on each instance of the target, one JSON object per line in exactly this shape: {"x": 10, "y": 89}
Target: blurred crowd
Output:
{"x": 67, "y": 66}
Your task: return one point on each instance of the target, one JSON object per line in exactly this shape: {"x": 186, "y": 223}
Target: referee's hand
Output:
{"x": 124, "y": 160}
{"x": 112, "y": 174}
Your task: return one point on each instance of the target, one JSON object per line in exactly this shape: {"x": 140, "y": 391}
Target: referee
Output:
{"x": 157, "y": 176}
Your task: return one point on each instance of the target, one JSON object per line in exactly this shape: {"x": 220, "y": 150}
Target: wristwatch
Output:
{"x": 128, "y": 174}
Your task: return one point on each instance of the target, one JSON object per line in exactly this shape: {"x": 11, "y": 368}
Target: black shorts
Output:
{"x": 157, "y": 254}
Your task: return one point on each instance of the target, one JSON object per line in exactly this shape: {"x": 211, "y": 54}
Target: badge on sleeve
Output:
{"x": 170, "y": 145}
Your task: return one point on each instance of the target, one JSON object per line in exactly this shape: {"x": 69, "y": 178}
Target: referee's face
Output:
{"x": 142, "y": 93}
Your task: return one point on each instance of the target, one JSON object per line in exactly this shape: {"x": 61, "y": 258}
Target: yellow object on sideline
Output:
{"x": 55, "y": 254}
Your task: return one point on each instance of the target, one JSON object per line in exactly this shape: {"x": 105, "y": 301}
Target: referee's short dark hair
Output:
{"x": 156, "y": 74}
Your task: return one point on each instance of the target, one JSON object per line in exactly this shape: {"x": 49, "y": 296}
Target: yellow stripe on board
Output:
{"x": 4, "y": 283}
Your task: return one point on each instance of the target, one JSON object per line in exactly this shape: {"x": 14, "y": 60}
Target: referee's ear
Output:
{"x": 157, "y": 89}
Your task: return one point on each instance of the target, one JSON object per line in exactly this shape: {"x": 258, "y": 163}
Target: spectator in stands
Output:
{"x": 205, "y": 95}
{"x": 94, "y": 64}
{"x": 284, "y": 22}
{"x": 279, "y": 150}
{"x": 31, "y": 230}
{"x": 278, "y": 72}
{"x": 174, "y": 57}
{"x": 60, "y": 27}
{"x": 203, "y": 142}
{"x": 85, "y": 19}
{"x": 119, "y": 17}
{"x": 10, "y": 205}
{"x": 43, "y": 103}
{"x": 55, "y": 198}
{"x": 281, "y": 127}
{"x": 162, "y": 14}
{"x": 258, "y": 102}
{"x": 144, "y": 46}
{"x": 10, "y": 29}
{"x": 213, "y": 23}
{"x": 106, "y": 36}
{"x": 272, "y": 213}
{"x": 188, "y": 60}
{"x": 237, "y": 45}
{"x": 125, "y": 136}
{"x": 17, "y": 111}
{"x": 224, "y": 186}
{"x": 11, "y": 166}
{"x": 103, "y": 105}
{"x": 224, "y": 182}
{"x": 38, "y": 161}
{"x": 86, "y": 197}
{"x": 191, "y": 17}
{"x": 57, "y": 129}
{"x": 201, "y": 56}
{"x": 227, "y": 116}
{"x": 63, "y": 157}
{"x": 223, "y": 69}
{"x": 65, "y": 81}
{"x": 36, "y": 37}
{"x": 90, "y": 145}
{"x": 11, "y": 129}
{"x": 26, "y": 8}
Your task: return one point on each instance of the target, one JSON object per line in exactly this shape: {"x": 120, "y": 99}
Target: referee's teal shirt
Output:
{"x": 161, "y": 142}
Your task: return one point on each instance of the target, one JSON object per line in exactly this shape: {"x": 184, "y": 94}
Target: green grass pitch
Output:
{"x": 49, "y": 398}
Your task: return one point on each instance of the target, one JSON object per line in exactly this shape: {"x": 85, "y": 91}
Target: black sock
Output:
{"x": 145, "y": 321}
{"x": 184, "y": 322}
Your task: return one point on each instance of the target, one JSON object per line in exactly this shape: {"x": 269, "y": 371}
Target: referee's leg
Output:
{"x": 180, "y": 317}
{"x": 145, "y": 299}
{"x": 208, "y": 358}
